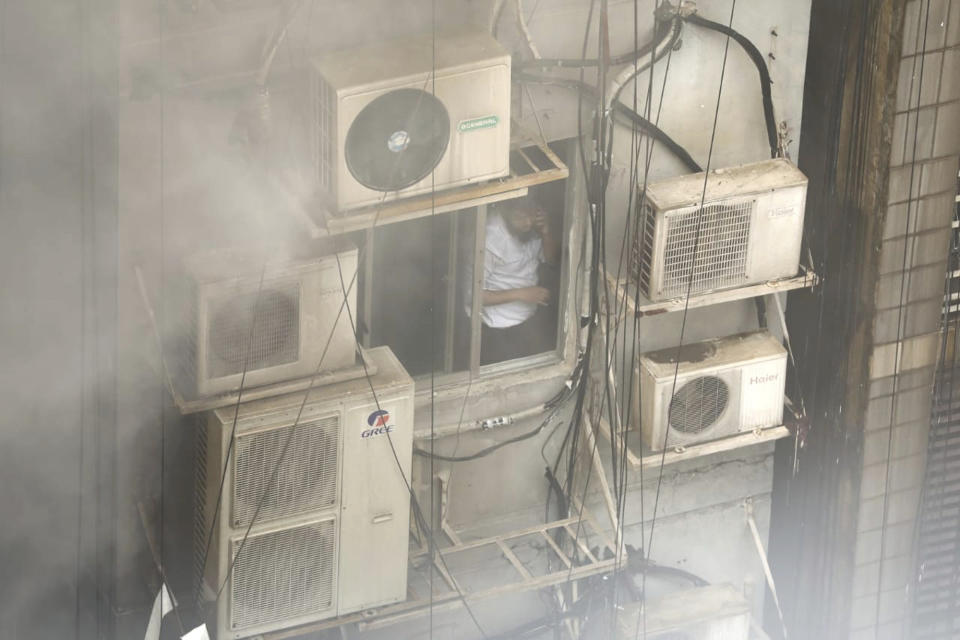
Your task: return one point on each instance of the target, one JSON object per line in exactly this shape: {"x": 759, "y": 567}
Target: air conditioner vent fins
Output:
{"x": 698, "y": 404}
{"x": 254, "y": 330}
{"x": 306, "y": 481}
{"x": 283, "y": 574}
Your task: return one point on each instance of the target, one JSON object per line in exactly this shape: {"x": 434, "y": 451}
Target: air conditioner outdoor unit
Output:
{"x": 382, "y": 121}
{"x": 260, "y": 324}
{"x": 723, "y": 386}
{"x": 331, "y": 503}
{"x": 714, "y": 612}
{"x": 750, "y": 226}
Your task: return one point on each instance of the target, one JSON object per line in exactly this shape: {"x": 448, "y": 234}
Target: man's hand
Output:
{"x": 536, "y": 295}
{"x": 541, "y": 223}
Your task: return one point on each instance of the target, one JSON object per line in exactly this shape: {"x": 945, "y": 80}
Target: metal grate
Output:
{"x": 721, "y": 253}
{"x": 306, "y": 481}
{"x": 273, "y": 341}
{"x": 936, "y": 604}
{"x": 200, "y": 525}
{"x": 642, "y": 256}
{"x": 698, "y": 404}
{"x": 324, "y": 132}
{"x": 952, "y": 294}
{"x": 283, "y": 574}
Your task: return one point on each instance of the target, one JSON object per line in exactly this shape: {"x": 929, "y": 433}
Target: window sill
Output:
{"x": 502, "y": 389}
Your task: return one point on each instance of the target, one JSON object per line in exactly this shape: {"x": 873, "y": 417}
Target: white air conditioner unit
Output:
{"x": 382, "y": 121}
{"x": 275, "y": 329}
{"x": 714, "y": 612}
{"x": 722, "y": 387}
{"x": 331, "y": 529}
{"x": 749, "y": 226}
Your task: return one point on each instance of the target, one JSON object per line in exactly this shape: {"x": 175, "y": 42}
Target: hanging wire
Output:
{"x": 686, "y": 305}
{"x": 902, "y": 301}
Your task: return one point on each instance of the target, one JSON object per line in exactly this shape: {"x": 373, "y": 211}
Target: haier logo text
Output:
{"x": 378, "y": 421}
{"x": 770, "y": 377}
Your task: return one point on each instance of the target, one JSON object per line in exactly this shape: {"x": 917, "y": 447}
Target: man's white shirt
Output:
{"x": 508, "y": 263}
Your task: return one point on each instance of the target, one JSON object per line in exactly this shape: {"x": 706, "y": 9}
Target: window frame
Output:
{"x": 563, "y": 354}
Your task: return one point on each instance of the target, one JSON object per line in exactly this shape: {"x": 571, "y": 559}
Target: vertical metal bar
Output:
{"x": 453, "y": 268}
{"x": 367, "y": 292}
{"x": 479, "y": 243}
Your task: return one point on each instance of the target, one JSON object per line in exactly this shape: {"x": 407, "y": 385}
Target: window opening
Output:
{"x": 417, "y": 284}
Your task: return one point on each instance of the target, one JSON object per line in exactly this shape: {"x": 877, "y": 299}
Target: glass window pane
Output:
{"x": 416, "y": 301}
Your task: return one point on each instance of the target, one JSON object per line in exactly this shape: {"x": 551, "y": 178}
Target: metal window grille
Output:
{"x": 721, "y": 252}
{"x": 283, "y": 574}
{"x": 952, "y": 302}
{"x": 936, "y": 604}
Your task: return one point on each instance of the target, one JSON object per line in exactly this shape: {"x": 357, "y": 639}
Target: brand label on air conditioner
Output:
{"x": 486, "y": 122}
{"x": 782, "y": 212}
{"x": 763, "y": 378}
{"x": 379, "y": 423}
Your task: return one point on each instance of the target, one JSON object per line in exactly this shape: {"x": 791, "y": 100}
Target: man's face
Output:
{"x": 520, "y": 223}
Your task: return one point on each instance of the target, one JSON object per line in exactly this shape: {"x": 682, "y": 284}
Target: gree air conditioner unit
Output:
{"x": 747, "y": 230}
{"x": 713, "y": 612}
{"x": 383, "y": 122}
{"x": 324, "y": 497}
{"x": 715, "y": 388}
{"x": 249, "y": 319}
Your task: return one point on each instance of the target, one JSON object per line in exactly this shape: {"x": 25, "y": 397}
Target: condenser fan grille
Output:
{"x": 306, "y": 481}
{"x": 267, "y": 325}
{"x": 698, "y": 404}
{"x": 397, "y": 139}
{"x": 721, "y": 252}
{"x": 282, "y": 575}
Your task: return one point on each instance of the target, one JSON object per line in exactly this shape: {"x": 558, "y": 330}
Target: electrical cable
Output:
{"x": 686, "y": 305}
{"x": 902, "y": 302}
{"x": 761, "y": 64}
{"x": 418, "y": 511}
{"x": 233, "y": 434}
{"x": 627, "y": 362}
{"x": 620, "y": 109}
{"x": 487, "y": 450}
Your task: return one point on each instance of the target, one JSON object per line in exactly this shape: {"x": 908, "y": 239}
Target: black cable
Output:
{"x": 902, "y": 302}
{"x": 686, "y": 304}
{"x": 760, "y": 63}
{"x": 620, "y": 109}
{"x": 233, "y": 435}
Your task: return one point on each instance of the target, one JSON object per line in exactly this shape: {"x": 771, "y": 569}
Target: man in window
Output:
{"x": 516, "y": 298}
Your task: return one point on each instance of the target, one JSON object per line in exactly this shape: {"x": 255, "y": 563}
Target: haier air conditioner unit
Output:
{"x": 383, "y": 122}
{"x": 713, "y": 612}
{"x": 245, "y": 322}
{"x": 748, "y": 230}
{"x": 718, "y": 388}
{"x": 330, "y": 499}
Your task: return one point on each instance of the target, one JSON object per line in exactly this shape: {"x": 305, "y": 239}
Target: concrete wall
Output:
{"x": 916, "y": 237}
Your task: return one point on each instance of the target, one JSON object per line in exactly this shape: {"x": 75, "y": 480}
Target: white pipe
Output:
{"x": 632, "y": 70}
{"x": 522, "y": 25}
